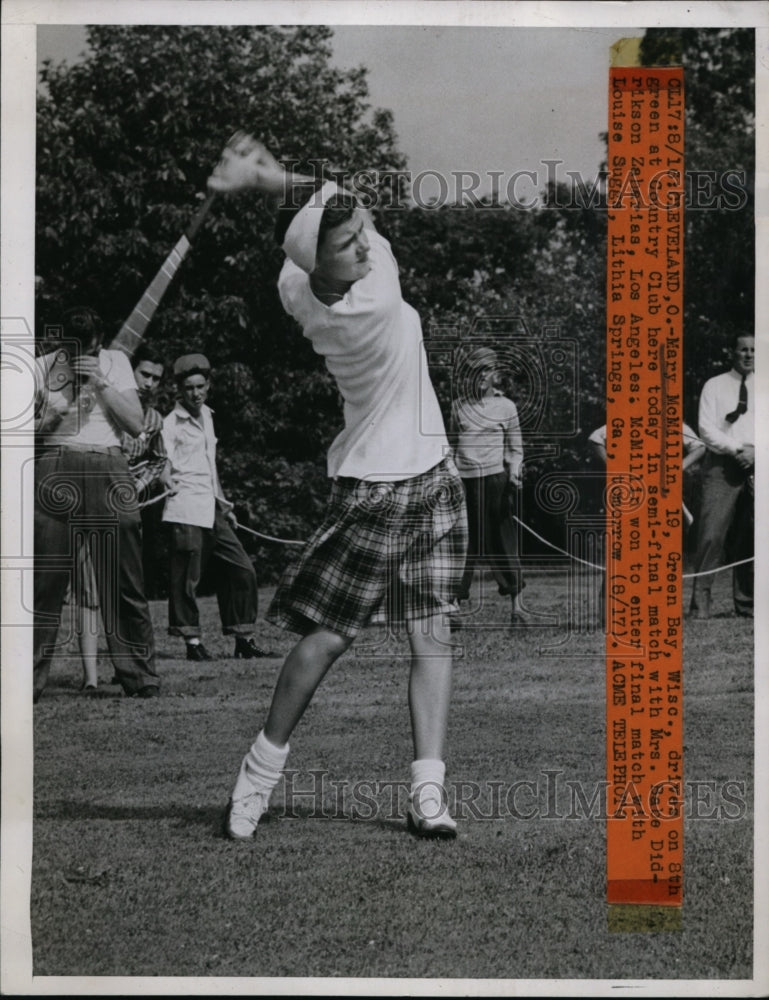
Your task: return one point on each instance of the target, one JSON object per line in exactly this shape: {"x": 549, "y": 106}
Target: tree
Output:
{"x": 719, "y": 248}
{"x": 126, "y": 139}
{"x": 529, "y": 282}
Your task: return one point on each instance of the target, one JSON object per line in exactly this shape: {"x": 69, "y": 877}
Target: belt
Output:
{"x": 82, "y": 448}
{"x": 351, "y": 483}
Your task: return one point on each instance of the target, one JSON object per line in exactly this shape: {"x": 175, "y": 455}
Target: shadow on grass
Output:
{"x": 206, "y": 816}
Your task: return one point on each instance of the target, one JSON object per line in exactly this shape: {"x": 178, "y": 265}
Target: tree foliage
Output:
{"x": 719, "y": 248}
{"x": 127, "y": 137}
{"x": 126, "y": 140}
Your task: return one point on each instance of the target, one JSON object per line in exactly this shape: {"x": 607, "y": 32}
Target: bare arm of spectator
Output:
{"x": 597, "y": 442}
{"x": 513, "y": 457}
{"x": 693, "y": 455}
{"x": 123, "y": 407}
{"x": 50, "y": 407}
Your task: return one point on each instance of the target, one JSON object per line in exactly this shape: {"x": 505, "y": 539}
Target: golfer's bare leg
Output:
{"x": 305, "y": 667}
{"x": 430, "y": 685}
{"x": 429, "y": 695}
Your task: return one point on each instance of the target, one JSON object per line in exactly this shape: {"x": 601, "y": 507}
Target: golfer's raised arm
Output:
{"x": 247, "y": 165}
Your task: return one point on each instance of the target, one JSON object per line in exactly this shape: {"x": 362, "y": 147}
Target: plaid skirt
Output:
{"x": 83, "y": 592}
{"x": 385, "y": 552}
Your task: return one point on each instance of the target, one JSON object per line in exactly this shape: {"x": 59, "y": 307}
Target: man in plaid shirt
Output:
{"x": 146, "y": 454}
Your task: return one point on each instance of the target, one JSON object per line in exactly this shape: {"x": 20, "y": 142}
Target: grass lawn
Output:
{"x": 132, "y": 877}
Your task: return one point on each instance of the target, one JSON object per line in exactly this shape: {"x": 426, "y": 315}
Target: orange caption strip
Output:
{"x": 644, "y": 341}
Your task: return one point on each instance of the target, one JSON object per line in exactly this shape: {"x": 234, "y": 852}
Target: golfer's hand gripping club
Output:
{"x": 247, "y": 165}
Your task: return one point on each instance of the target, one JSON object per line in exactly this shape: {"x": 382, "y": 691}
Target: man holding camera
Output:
{"x": 85, "y": 497}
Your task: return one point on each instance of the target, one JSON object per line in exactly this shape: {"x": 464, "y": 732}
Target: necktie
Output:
{"x": 742, "y": 405}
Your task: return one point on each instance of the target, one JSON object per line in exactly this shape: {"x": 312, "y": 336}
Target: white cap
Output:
{"x": 301, "y": 241}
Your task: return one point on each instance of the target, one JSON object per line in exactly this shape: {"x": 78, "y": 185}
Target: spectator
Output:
{"x": 84, "y": 496}
{"x": 725, "y": 529}
{"x": 146, "y": 454}
{"x": 488, "y": 451}
{"x": 693, "y": 450}
{"x": 146, "y": 457}
{"x": 202, "y": 523}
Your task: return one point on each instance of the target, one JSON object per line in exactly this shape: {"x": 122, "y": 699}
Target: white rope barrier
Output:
{"x": 685, "y": 576}
{"x": 718, "y": 569}
{"x": 152, "y": 500}
{"x": 241, "y": 527}
{"x": 268, "y": 538}
{"x": 555, "y": 548}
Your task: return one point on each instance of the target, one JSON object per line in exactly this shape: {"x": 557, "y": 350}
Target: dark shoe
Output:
{"x": 700, "y": 609}
{"x": 148, "y": 691}
{"x": 88, "y": 689}
{"x": 521, "y": 617}
{"x": 247, "y": 649}
{"x": 197, "y": 651}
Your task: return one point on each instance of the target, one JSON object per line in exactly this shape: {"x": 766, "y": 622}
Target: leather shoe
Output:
{"x": 521, "y": 618}
{"x": 197, "y": 651}
{"x": 148, "y": 691}
{"x": 700, "y": 609}
{"x": 247, "y": 649}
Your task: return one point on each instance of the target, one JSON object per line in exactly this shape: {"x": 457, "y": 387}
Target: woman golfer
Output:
{"x": 392, "y": 545}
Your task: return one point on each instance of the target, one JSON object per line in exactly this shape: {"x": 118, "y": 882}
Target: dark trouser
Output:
{"x": 492, "y": 533}
{"x": 725, "y": 530}
{"x": 191, "y": 550}
{"x": 88, "y": 497}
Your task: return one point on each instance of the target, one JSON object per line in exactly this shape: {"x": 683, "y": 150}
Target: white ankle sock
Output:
{"x": 427, "y": 777}
{"x": 261, "y": 768}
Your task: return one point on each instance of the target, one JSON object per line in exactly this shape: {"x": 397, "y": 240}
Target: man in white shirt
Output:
{"x": 201, "y": 522}
{"x": 392, "y": 545}
{"x": 727, "y": 427}
{"x": 85, "y": 497}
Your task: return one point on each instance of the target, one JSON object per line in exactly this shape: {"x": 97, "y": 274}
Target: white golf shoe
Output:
{"x": 428, "y": 814}
{"x": 243, "y": 815}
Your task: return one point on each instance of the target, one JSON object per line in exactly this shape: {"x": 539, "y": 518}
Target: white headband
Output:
{"x": 301, "y": 240}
